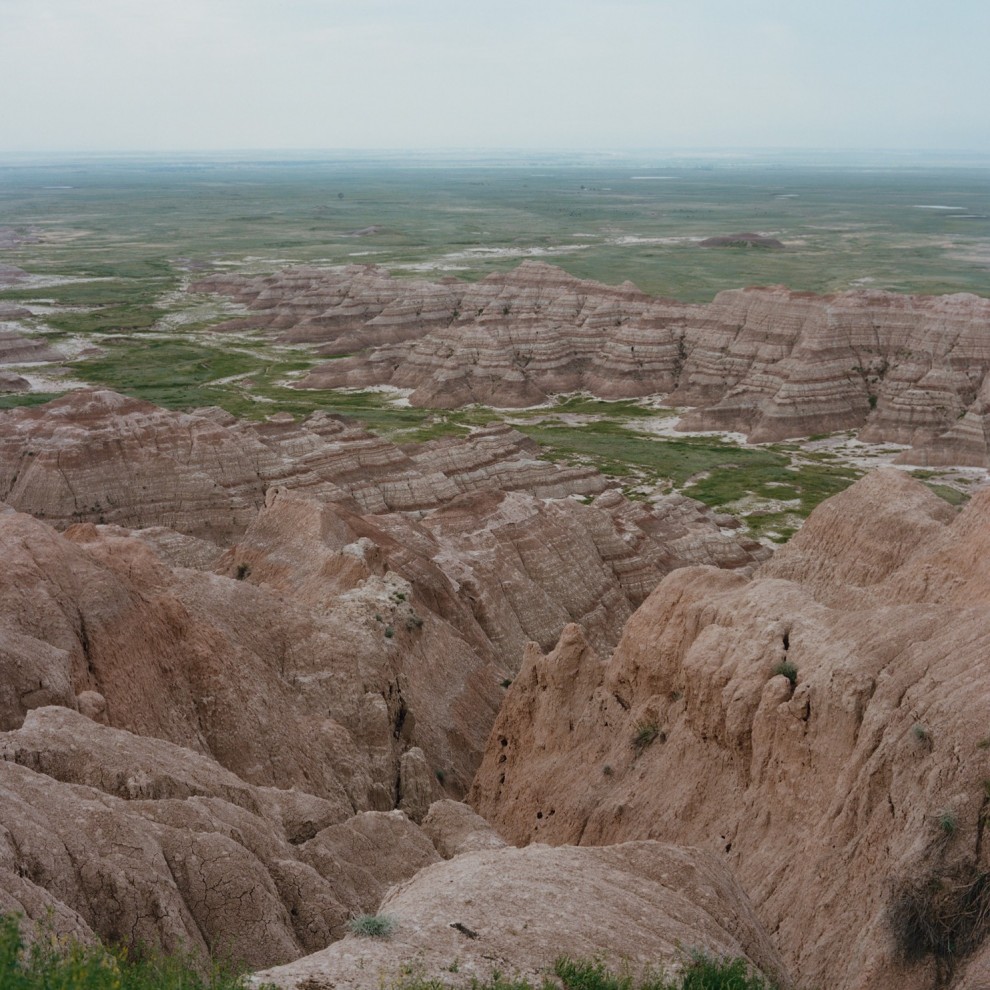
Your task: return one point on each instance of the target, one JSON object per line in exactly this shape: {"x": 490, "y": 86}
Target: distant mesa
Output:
{"x": 743, "y": 240}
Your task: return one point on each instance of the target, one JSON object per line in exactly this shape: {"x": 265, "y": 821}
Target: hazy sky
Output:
{"x": 582, "y": 74}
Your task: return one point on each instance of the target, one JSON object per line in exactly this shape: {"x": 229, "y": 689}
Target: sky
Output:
{"x": 143, "y": 75}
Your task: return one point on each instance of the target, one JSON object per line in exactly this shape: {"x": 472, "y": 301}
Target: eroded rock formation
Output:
{"x": 142, "y": 842}
{"x": 764, "y": 361}
{"x": 639, "y": 905}
{"x": 821, "y": 727}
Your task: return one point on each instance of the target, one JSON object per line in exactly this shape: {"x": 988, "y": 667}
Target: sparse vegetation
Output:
{"x": 373, "y": 925}
{"x": 52, "y": 963}
{"x": 701, "y": 972}
{"x": 944, "y": 913}
{"x": 786, "y": 669}
{"x": 645, "y": 734}
{"x": 920, "y": 733}
{"x": 948, "y": 822}
{"x": 389, "y": 632}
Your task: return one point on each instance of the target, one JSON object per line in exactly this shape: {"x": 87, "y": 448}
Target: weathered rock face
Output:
{"x": 277, "y": 691}
{"x": 98, "y": 456}
{"x": 767, "y": 362}
{"x": 834, "y": 799}
{"x": 143, "y": 842}
{"x": 636, "y": 905}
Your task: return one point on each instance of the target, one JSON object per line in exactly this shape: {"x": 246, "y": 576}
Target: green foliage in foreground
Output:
{"x": 700, "y": 973}
{"x": 57, "y": 964}
{"x": 60, "y": 964}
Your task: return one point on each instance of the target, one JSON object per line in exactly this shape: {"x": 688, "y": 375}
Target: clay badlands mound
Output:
{"x": 259, "y": 679}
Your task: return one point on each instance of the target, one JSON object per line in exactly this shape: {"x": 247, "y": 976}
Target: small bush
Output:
{"x": 705, "y": 973}
{"x": 389, "y": 632}
{"x": 920, "y": 733}
{"x": 577, "y": 975}
{"x": 373, "y": 925}
{"x": 647, "y": 733}
{"x": 944, "y": 914}
{"x": 505, "y": 682}
{"x": 243, "y": 570}
{"x": 786, "y": 669}
{"x": 947, "y": 821}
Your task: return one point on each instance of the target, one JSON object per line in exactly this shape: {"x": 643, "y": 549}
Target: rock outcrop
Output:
{"x": 144, "y": 843}
{"x": 764, "y": 361}
{"x": 637, "y": 906}
{"x": 821, "y": 727}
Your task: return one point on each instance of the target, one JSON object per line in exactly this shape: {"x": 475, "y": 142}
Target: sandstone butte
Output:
{"x": 767, "y": 362}
{"x": 245, "y": 670}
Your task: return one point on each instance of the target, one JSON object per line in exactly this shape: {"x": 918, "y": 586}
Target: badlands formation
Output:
{"x": 259, "y": 678}
{"x": 766, "y": 362}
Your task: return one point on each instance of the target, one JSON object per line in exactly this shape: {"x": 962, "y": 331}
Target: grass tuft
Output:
{"x": 373, "y": 925}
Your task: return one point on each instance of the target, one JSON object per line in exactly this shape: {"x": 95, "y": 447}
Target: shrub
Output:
{"x": 373, "y": 925}
{"x": 702, "y": 972}
{"x": 947, "y": 821}
{"x": 920, "y": 733}
{"x": 944, "y": 914}
{"x": 243, "y": 570}
{"x": 647, "y": 733}
{"x": 705, "y": 973}
{"x": 786, "y": 669}
{"x": 389, "y": 632}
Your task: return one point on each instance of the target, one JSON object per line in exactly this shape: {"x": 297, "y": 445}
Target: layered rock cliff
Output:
{"x": 764, "y": 361}
{"x": 263, "y": 643}
{"x": 822, "y": 727}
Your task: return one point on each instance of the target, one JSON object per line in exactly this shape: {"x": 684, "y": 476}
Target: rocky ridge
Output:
{"x": 767, "y": 362}
{"x": 267, "y": 649}
{"x": 821, "y": 727}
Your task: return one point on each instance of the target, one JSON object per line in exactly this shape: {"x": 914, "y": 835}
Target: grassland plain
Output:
{"x": 112, "y": 243}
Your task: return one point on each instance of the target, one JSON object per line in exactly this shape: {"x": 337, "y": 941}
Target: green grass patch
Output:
{"x": 58, "y": 964}
{"x": 584, "y": 405}
{"x": 16, "y": 400}
{"x": 106, "y": 319}
{"x": 617, "y": 450}
{"x": 171, "y": 373}
{"x": 807, "y": 484}
{"x": 951, "y": 495}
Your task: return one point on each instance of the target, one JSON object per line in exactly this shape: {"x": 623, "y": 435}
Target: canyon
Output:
{"x": 259, "y": 677}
